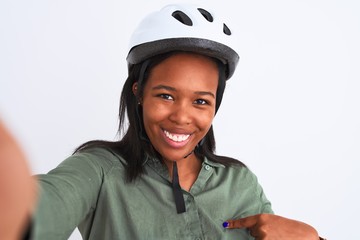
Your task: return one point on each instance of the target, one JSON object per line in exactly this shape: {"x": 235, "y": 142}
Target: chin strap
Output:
{"x": 140, "y": 82}
{"x": 178, "y": 195}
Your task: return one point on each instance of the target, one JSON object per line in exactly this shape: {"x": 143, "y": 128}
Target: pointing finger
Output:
{"x": 247, "y": 222}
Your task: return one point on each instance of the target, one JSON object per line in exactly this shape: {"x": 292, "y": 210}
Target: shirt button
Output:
{"x": 207, "y": 167}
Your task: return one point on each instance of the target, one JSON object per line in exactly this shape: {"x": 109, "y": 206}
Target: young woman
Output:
{"x": 162, "y": 180}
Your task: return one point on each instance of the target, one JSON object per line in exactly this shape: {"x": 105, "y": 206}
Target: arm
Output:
{"x": 68, "y": 194}
{"x": 17, "y": 188}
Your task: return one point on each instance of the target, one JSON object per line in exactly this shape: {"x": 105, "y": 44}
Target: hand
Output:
{"x": 273, "y": 227}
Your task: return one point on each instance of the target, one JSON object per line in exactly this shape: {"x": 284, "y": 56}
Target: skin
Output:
{"x": 179, "y": 99}
{"x": 17, "y": 188}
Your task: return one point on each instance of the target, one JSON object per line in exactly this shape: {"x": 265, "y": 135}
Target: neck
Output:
{"x": 188, "y": 170}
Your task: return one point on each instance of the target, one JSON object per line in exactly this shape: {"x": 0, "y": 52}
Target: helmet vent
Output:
{"x": 182, "y": 17}
{"x": 206, "y": 15}
{"x": 226, "y": 30}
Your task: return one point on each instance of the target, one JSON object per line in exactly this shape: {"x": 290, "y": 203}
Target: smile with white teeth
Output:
{"x": 177, "y": 137}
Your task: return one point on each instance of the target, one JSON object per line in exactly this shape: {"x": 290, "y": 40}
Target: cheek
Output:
{"x": 148, "y": 116}
{"x": 152, "y": 114}
{"x": 205, "y": 120}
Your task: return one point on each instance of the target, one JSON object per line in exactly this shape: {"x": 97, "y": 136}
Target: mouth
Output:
{"x": 176, "y": 140}
{"x": 176, "y": 137}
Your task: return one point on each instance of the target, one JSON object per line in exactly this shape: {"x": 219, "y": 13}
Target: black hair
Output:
{"x": 134, "y": 145}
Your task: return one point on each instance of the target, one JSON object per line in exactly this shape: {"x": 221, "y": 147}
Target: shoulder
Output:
{"x": 244, "y": 185}
{"x": 241, "y": 172}
{"x": 237, "y": 173}
{"x": 98, "y": 159}
{"x": 98, "y": 154}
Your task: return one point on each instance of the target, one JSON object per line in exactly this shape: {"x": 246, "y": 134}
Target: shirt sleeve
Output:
{"x": 256, "y": 200}
{"x": 265, "y": 203}
{"x": 67, "y": 194}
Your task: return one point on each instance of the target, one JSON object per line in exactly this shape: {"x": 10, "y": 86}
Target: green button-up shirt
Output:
{"x": 89, "y": 191}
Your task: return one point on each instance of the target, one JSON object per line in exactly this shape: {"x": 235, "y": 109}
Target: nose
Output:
{"x": 181, "y": 114}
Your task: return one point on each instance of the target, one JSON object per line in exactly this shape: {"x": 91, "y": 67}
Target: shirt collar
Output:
{"x": 156, "y": 165}
{"x": 156, "y": 162}
{"x": 213, "y": 164}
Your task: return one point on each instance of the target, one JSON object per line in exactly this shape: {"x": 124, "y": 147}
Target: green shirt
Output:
{"x": 89, "y": 191}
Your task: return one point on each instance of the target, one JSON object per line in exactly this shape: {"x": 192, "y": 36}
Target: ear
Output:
{"x": 135, "y": 88}
{"x": 135, "y": 91}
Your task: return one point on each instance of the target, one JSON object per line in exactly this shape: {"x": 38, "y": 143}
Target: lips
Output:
{"x": 176, "y": 137}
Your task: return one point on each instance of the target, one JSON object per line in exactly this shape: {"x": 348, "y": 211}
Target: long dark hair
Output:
{"x": 134, "y": 145}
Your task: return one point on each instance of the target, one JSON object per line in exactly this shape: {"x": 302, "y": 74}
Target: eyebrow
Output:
{"x": 164, "y": 87}
{"x": 205, "y": 93}
{"x": 172, "y": 89}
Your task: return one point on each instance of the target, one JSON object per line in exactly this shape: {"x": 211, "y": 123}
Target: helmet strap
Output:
{"x": 178, "y": 195}
{"x": 221, "y": 85}
{"x": 140, "y": 81}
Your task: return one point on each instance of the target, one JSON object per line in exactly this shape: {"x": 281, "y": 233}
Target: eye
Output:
{"x": 201, "y": 102}
{"x": 165, "y": 96}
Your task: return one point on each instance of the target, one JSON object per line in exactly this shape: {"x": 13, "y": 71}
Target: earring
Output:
{"x": 139, "y": 100}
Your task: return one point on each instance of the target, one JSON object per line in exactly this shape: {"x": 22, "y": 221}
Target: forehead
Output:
{"x": 186, "y": 69}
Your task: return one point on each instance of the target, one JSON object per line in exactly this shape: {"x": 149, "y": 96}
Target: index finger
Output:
{"x": 247, "y": 222}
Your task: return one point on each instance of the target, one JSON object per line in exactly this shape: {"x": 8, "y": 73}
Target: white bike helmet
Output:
{"x": 183, "y": 27}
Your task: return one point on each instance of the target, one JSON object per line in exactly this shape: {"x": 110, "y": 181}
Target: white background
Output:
{"x": 291, "y": 111}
